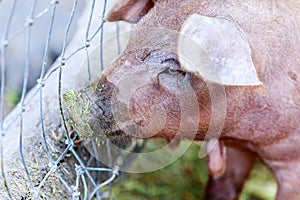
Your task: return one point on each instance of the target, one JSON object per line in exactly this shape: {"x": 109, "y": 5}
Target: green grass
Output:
{"x": 261, "y": 184}
{"x": 185, "y": 179}
{"x": 12, "y": 97}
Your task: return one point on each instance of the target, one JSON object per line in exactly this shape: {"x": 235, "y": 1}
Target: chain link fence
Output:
{"x": 40, "y": 157}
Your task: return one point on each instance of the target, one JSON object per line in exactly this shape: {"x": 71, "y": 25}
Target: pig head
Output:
{"x": 151, "y": 91}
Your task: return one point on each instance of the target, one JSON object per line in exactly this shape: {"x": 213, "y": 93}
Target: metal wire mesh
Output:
{"x": 84, "y": 184}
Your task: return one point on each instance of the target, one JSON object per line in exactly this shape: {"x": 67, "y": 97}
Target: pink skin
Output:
{"x": 261, "y": 120}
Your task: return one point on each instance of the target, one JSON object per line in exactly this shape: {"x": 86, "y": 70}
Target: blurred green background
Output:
{"x": 186, "y": 179}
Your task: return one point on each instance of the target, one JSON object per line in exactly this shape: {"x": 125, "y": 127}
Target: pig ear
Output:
{"x": 217, "y": 50}
{"x": 129, "y": 10}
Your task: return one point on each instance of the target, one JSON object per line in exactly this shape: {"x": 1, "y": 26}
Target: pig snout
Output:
{"x": 90, "y": 109}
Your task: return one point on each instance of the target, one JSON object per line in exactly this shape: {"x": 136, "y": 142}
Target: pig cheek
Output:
{"x": 156, "y": 111}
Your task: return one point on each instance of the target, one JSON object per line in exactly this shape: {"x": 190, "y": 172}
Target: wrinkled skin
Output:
{"x": 260, "y": 121}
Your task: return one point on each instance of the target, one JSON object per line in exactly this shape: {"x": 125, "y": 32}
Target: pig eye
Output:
{"x": 174, "y": 71}
{"x": 172, "y": 65}
{"x": 170, "y": 61}
{"x": 171, "y": 71}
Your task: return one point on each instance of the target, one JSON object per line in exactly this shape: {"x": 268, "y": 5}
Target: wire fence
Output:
{"x": 86, "y": 184}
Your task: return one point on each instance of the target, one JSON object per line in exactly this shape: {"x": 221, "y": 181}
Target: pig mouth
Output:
{"x": 118, "y": 135}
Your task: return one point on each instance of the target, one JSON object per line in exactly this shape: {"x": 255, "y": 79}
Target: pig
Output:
{"x": 261, "y": 85}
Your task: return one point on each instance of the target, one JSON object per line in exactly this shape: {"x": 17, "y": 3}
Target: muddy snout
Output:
{"x": 89, "y": 110}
